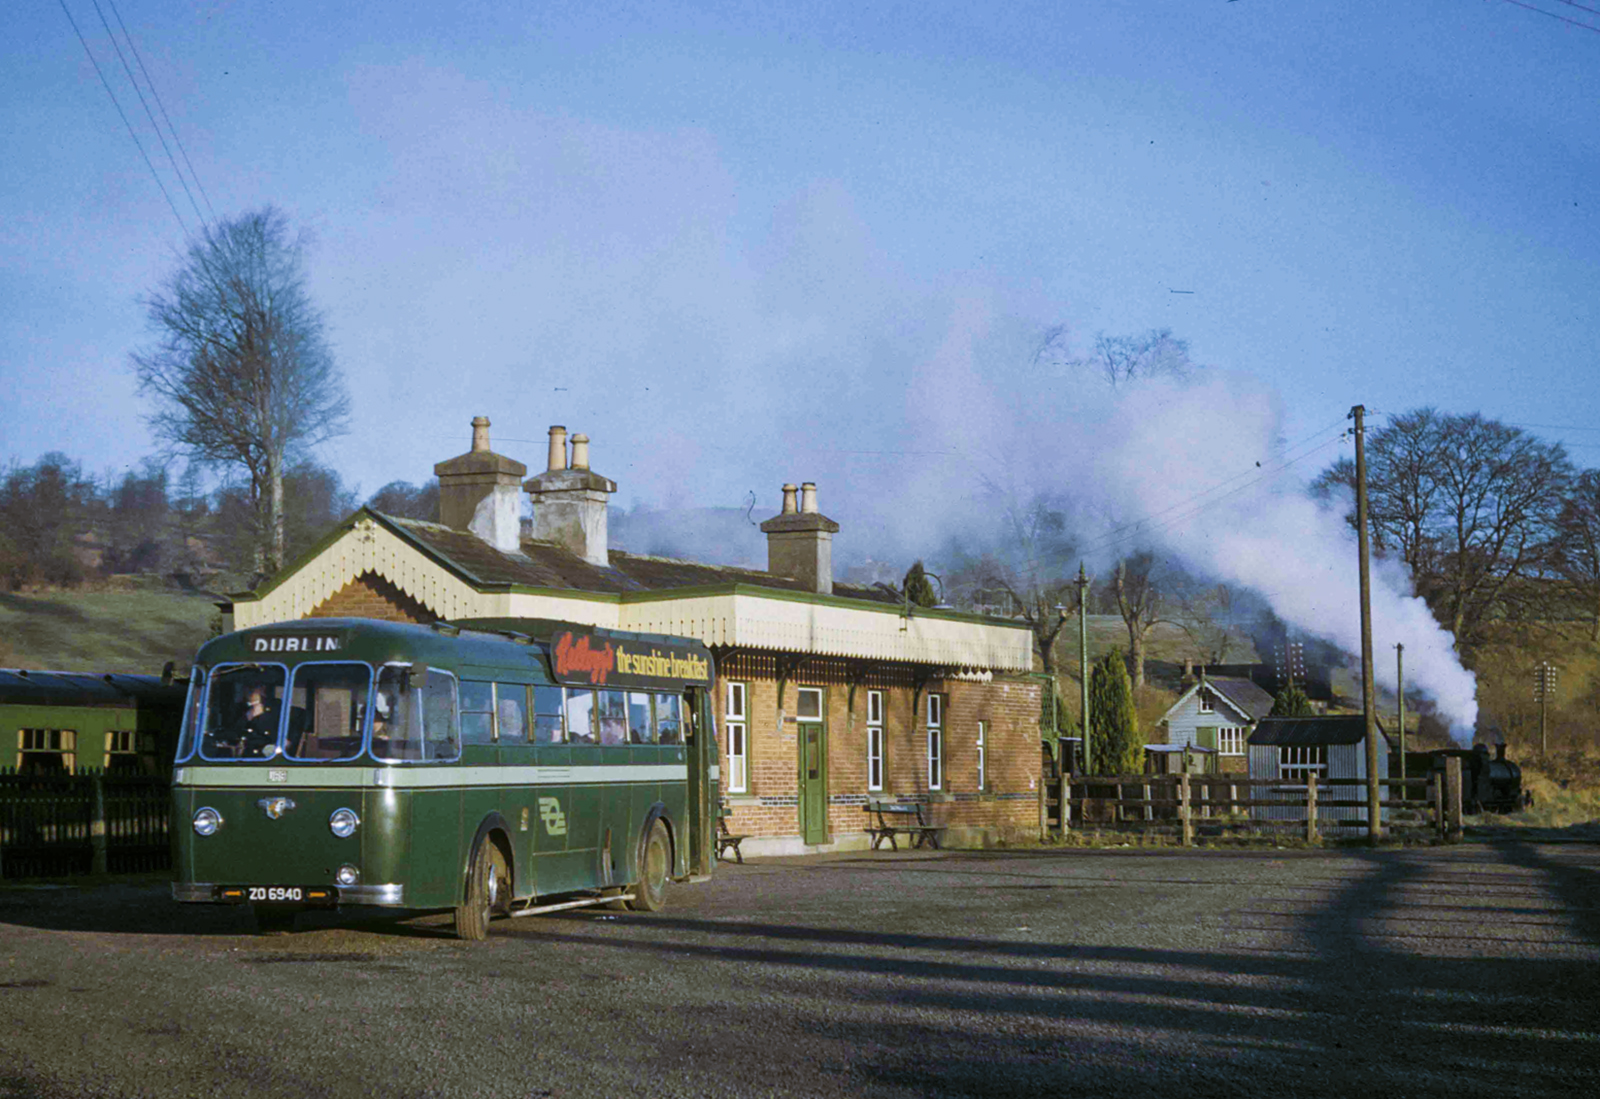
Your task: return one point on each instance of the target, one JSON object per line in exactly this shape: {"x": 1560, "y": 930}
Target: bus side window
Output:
{"x": 511, "y": 701}
{"x": 613, "y": 717}
{"x": 641, "y": 730}
{"x": 477, "y": 713}
{"x": 441, "y": 727}
{"x": 547, "y": 715}
{"x": 669, "y": 727}
{"x": 580, "y": 716}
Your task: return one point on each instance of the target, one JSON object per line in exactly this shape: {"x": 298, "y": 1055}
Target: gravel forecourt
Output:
{"x": 1469, "y": 970}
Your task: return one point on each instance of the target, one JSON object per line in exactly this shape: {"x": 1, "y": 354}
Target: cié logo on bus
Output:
{"x": 295, "y": 643}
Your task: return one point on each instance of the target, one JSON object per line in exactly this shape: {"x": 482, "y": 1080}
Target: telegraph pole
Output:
{"x": 1400, "y": 688}
{"x": 1368, "y": 684}
{"x": 1544, "y": 685}
{"x": 1083, "y": 657}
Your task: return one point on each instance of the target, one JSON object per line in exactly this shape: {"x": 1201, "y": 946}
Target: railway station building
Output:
{"x": 828, "y": 695}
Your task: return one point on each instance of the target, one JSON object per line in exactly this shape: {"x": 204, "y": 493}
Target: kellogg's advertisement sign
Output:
{"x": 589, "y": 660}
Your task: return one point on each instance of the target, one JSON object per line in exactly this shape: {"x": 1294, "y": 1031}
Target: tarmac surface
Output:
{"x": 1472, "y": 970}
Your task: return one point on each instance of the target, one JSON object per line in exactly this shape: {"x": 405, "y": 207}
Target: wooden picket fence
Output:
{"x": 84, "y": 823}
{"x": 1233, "y": 807}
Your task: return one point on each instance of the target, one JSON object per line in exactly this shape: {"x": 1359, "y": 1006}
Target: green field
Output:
{"x": 119, "y": 630}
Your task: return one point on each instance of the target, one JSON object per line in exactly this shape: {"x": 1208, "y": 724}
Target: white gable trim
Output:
{"x": 1232, "y": 716}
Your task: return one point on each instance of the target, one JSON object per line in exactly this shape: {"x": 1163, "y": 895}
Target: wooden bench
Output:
{"x": 897, "y": 818}
{"x": 725, "y": 838}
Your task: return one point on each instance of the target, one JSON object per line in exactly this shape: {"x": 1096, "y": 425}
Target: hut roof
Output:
{"x": 1331, "y": 729}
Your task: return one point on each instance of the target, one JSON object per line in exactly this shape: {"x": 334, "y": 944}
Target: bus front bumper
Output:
{"x": 326, "y": 896}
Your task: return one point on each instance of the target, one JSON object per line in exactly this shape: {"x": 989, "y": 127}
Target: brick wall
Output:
{"x": 1009, "y": 709}
{"x": 371, "y": 596}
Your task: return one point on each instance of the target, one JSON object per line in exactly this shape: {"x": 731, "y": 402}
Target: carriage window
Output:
{"x": 547, "y": 715}
{"x": 477, "y": 713}
{"x": 327, "y": 711}
{"x": 46, "y": 751}
{"x": 510, "y": 703}
{"x": 580, "y": 716}
{"x": 641, "y": 730}
{"x": 669, "y": 723}
{"x": 613, "y": 723}
{"x": 129, "y": 752}
{"x": 244, "y": 708}
{"x": 413, "y": 720}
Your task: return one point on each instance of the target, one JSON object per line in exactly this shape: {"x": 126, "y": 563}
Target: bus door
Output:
{"x": 417, "y": 725}
{"x": 552, "y": 816}
{"x": 515, "y": 792}
{"x": 703, "y": 795}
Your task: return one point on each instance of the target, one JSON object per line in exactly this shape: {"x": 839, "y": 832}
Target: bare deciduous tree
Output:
{"x": 1119, "y": 360}
{"x": 241, "y": 375}
{"x": 1141, "y": 602}
{"x": 1578, "y": 544}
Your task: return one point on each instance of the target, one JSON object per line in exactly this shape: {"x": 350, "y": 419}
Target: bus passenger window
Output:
{"x": 477, "y": 713}
{"x": 439, "y": 717}
{"x": 669, "y": 727}
{"x": 547, "y": 715}
{"x": 613, "y": 717}
{"x": 511, "y": 701}
{"x": 640, "y": 728}
{"x": 392, "y": 734}
{"x": 580, "y": 716}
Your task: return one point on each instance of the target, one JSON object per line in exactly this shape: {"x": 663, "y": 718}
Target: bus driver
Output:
{"x": 255, "y": 731}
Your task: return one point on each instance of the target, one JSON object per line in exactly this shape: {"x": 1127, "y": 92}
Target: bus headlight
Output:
{"x": 343, "y": 823}
{"x": 347, "y": 875}
{"x": 207, "y": 821}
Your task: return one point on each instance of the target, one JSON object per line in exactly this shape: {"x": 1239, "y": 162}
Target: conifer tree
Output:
{"x": 1118, "y": 749}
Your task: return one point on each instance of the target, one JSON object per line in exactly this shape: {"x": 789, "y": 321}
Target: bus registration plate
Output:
{"x": 286, "y": 893}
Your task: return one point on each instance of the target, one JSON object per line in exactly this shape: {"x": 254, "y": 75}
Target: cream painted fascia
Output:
{"x": 747, "y": 619}
{"x": 369, "y": 547}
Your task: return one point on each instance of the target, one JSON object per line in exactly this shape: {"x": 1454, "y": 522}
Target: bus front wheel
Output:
{"x": 482, "y": 895}
{"x": 655, "y": 867}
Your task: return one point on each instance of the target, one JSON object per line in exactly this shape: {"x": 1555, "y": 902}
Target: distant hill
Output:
{"x": 122, "y": 629}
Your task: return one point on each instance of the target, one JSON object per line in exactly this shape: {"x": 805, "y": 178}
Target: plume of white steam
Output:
{"x": 1197, "y": 469}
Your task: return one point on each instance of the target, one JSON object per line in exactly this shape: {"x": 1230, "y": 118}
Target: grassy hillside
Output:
{"x": 114, "y": 630}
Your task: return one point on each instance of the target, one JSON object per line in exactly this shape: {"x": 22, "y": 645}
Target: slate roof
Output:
{"x": 1334, "y": 729}
{"x": 553, "y": 565}
{"x": 1246, "y": 697}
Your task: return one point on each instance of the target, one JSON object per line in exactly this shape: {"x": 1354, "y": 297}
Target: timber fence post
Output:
{"x": 1452, "y": 797}
{"x": 1185, "y": 821}
{"x": 97, "y": 823}
{"x": 1311, "y": 807}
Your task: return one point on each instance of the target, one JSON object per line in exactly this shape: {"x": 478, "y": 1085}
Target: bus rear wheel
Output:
{"x": 484, "y": 892}
{"x": 655, "y": 867}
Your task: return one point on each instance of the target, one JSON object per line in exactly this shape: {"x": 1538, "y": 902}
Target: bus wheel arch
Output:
{"x": 654, "y": 862}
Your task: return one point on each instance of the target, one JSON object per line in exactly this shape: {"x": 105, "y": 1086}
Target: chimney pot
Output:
{"x": 558, "y": 448}
{"x": 789, "y": 507}
{"x": 808, "y": 498}
{"x": 480, "y": 434}
{"x": 580, "y": 452}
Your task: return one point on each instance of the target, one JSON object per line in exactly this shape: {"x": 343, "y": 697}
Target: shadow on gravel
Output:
{"x": 1363, "y": 991}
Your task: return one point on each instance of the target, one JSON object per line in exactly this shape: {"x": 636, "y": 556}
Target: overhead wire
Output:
{"x": 182, "y": 182}
{"x": 124, "y": 115}
{"x": 1553, "y": 15}
{"x": 151, "y": 84}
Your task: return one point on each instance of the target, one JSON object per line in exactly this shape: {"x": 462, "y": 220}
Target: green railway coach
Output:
{"x": 464, "y": 766}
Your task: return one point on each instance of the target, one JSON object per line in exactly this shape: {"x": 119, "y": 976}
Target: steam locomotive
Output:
{"x": 1489, "y": 784}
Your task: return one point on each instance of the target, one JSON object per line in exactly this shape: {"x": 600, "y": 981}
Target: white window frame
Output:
{"x": 875, "y": 738}
{"x": 736, "y": 699}
{"x": 822, "y": 712}
{"x": 935, "y": 712}
{"x": 1230, "y": 740}
{"x": 1295, "y": 762}
{"x": 983, "y": 750}
{"x": 1208, "y": 704}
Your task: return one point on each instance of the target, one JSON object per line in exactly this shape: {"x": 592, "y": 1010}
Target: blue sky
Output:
{"x": 743, "y": 244}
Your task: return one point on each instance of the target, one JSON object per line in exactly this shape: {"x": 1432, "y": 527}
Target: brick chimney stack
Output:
{"x": 478, "y": 492}
{"x": 800, "y": 541}
{"x": 569, "y": 500}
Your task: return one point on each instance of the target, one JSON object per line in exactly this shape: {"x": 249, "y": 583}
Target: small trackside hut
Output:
{"x": 457, "y": 766}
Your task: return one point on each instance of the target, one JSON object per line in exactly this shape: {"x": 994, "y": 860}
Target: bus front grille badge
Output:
{"x": 276, "y": 807}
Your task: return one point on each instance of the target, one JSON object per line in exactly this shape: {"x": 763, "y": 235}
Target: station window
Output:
{"x": 477, "y": 712}
{"x": 47, "y": 751}
{"x": 1208, "y": 704}
{"x": 935, "y": 742}
{"x": 874, "y": 740}
{"x": 130, "y": 753}
{"x": 734, "y": 720}
{"x": 1230, "y": 740}
{"x": 808, "y": 706}
{"x": 983, "y": 760}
